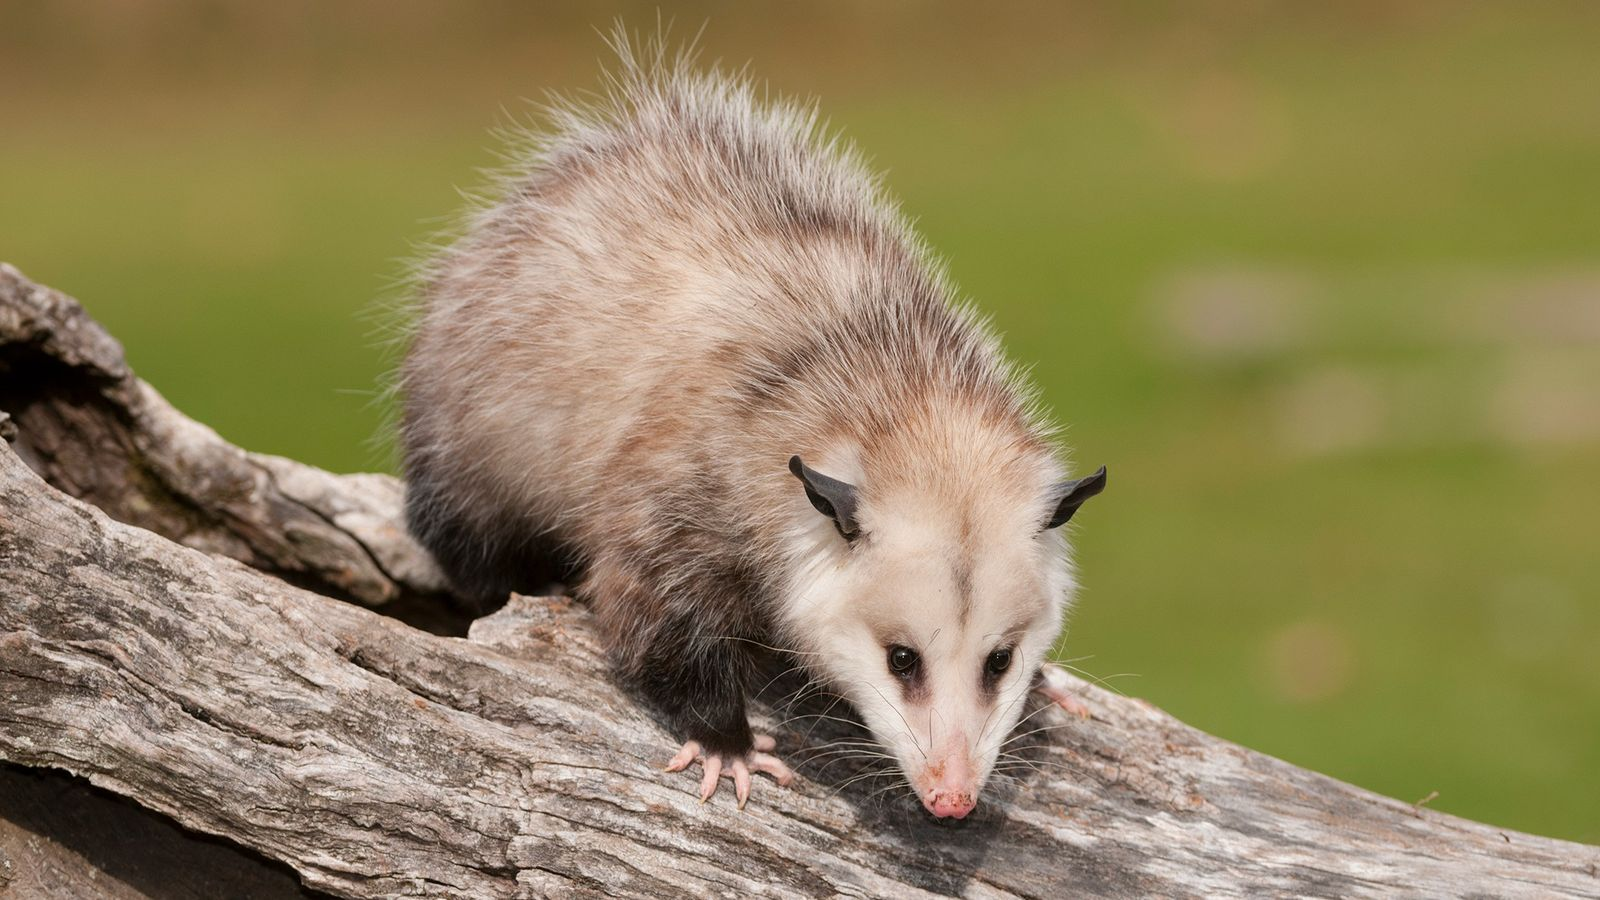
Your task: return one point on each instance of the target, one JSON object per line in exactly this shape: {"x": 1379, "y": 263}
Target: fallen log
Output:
{"x": 175, "y": 628}
{"x": 82, "y": 420}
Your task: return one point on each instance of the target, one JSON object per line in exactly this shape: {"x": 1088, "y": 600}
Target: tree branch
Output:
{"x": 150, "y": 642}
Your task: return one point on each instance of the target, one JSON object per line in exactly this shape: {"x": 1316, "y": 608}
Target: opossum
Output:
{"x": 693, "y": 348}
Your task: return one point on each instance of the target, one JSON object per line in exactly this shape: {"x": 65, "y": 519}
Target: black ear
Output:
{"x": 1069, "y": 495}
{"x": 832, "y": 497}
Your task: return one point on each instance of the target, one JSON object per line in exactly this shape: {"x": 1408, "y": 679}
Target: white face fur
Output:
{"x": 932, "y": 622}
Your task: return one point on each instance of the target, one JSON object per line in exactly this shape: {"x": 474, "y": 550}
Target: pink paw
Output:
{"x": 1056, "y": 684}
{"x": 737, "y": 767}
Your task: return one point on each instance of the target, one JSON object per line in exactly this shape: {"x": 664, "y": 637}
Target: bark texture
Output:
{"x": 82, "y": 420}
{"x": 174, "y": 627}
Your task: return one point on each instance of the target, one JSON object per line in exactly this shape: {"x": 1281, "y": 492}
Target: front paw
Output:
{"x": 736, "y": 766}
{"x": 1058, "y": 687}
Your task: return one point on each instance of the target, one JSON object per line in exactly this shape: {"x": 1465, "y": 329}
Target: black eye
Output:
{"x": 999, "y": 661}
{"x": 902, "y": 660}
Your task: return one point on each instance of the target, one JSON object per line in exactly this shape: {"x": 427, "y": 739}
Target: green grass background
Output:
{"x": 1325, "y": 543}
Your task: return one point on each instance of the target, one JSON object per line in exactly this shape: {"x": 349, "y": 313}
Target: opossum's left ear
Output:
{"x": 1069, "y": 495}
{"x": 833, "y": 498}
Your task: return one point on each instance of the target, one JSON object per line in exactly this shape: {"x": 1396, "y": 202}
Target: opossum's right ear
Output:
{"x": 833, "y": 498}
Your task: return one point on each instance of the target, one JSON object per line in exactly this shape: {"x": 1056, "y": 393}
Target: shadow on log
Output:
{"x": 175, "y": 627}
{"x": 61, "y": 839}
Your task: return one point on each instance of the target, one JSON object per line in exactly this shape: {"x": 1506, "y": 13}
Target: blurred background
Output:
{"x": 1320, "y": 283}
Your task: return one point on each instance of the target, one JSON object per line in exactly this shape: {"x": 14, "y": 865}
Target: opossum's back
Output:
{"x": 681, "y": 206}
{"x": 532, "y": 365}
{"x": 626, "y": 277}
{"x": 528, "y": 373}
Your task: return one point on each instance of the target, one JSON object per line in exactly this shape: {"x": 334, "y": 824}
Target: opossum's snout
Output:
{"x": 948, "y": 785}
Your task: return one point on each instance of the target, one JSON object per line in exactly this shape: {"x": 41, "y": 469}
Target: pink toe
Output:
{"x": 765, "y": 743}
{"x": 773, "y": 766}
{"x": 713, "y": 772}
{"x": 1058, "y": 687}
{"x": 685, "y": 756}
{"x": 1071, "y": 704}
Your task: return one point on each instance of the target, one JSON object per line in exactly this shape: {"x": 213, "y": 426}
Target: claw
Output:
{"x": 713, "y": 772}
{"x": 741, "y": 782}
{"x": 1056, "y": 685}
{"x": 741, "y": 769}
{"x": 690, "y": 751}
{"x": 764, "y": 762}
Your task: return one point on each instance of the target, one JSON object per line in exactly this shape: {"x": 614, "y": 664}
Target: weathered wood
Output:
{"x": 376, "y": 759}
{"x": 95, "y": 431}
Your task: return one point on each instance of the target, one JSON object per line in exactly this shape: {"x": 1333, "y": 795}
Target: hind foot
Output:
{"x": 737, "y": 767}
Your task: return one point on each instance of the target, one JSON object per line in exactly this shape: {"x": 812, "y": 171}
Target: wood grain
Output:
{"x": 162, "y": 634}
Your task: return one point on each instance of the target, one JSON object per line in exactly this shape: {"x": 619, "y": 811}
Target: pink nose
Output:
{"x": 949, "y": 804}
{"x": 952, "y": 789}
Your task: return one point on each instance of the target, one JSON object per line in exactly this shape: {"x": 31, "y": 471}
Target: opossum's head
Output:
{"x": 930, "y": 605}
